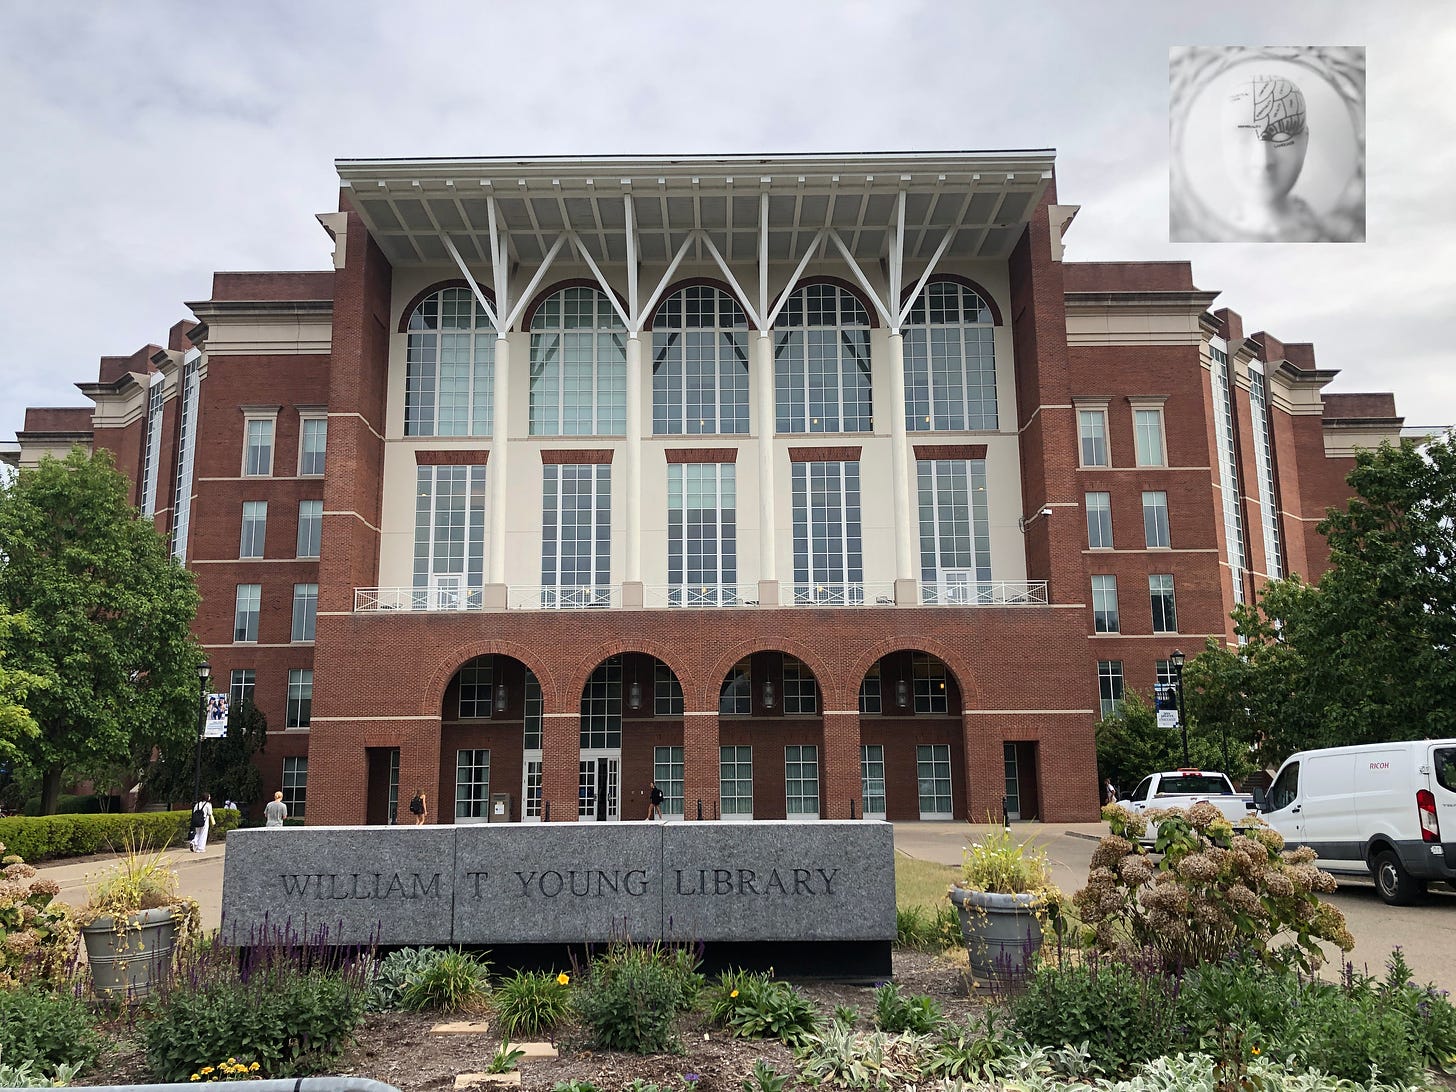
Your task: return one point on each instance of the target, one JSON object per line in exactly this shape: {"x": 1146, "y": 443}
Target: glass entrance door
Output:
{"x": 599, "y": 793}
{"x": 1013, "y": 781}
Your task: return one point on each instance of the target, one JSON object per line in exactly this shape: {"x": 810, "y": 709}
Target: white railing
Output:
{"x": 699, "y": 595}
{"x": 986, "y": 593}
{"x": 563, "y": 597}
{"x": 418, "y": 599}
{"x": 822, "y": 593}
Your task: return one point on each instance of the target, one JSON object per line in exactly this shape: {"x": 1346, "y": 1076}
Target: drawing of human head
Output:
{"x": 1265, "y": 137}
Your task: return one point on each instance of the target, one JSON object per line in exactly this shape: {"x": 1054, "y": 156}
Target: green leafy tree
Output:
{"x": 109, "y": 615}
{"x": 228, "y": 771}
{"x": 1131, "y": 745}
{"x": 16, "y": 723}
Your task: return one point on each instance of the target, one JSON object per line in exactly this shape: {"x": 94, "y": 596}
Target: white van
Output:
{"x": 1379, "y": 808}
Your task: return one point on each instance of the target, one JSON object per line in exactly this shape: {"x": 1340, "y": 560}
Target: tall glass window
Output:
{"x": 1165, "y": 614}
{"x": 1148, "y": 437}
{"x": 702, "y": 534}
{"x": 477, "y": 695}
{"x": 186, "y": 449}
{"x": 801, "y": 780}
{"x": 472, "y": 784}
{"x": 152, "y": 453}
{"x": 578, "y": 366}
{"x": 310, "y": 527}
{"x": 871, "y": 692}
{"x": 300, "y": 697}
{"x": 1155, "y": 518}
{"x": 601, "y": 707}
{"x": 699, "y": 364}
{"x": 1092, "y": 431}
{"x": 828, "y": 550}
{"x": 295, "y": 786}
{"x": 667, "y": 771}
{"x": 531, "y": 739}
{"x": 576, "y": 534}
{"x": 950, "y": 361}
{"x": 822, "y": 362}
{"x": 1104, "y": 604}
{"x": 928, "y": 674}
{"x": 1228, "y": 469}
{"x": 735, "y": 782}
{"x": 955, "y": 529}
{"x": 450, "y": 367}
{"x": 1099, "y": 521}
{"x": 449, "y": 533}
{"x": 872, "y": 780}
{"x": 245, "y": 612}
{"x": 932, "y": 768}
{"x": 801, "y": 692}
{"x": 241, "y": 684}
{"x": 255, "y": 529}
{"x": 305, "y": 611}
{"x": 1264, "y": 465}
{"x": 313, "y": 439}
{"x": 258, "y": 452}
{"x": 1109, "y": 686}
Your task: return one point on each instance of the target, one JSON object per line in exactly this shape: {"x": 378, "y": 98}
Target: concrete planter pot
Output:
{"x": 1001, "y": 932}
{"x": 132, "y": 961}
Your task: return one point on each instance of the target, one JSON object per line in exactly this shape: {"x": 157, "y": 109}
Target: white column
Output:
{"x": 763, "y": 373}
{"x": 499, "y": 449}
{"x": 634, "y": 459}
{"x": 900, "y": 467}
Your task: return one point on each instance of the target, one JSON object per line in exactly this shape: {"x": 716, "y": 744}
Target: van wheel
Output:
{"x": 1395, "y": 885}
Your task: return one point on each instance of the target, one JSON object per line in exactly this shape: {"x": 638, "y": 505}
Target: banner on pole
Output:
{"x": 217, "y": 717}
{"x": 1167, "y": 718}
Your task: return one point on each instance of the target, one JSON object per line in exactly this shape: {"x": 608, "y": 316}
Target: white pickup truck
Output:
{"x": 1183, "y": 789}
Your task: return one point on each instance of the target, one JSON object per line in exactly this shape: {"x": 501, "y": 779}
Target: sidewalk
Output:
{"x": 200, "y": 877}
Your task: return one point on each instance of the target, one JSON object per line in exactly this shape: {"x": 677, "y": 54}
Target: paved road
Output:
{"x": 1427, "y": 932}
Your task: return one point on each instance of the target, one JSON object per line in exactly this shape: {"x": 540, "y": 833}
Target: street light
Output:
{"x": 204, "y": 672}
{"x": 1177, "y": 660}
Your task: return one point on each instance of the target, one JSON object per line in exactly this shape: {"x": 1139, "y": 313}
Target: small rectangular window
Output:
{"x": 305, "y": 611}
{"x": 1155, "y": 519}
{"x": 1104, "y": 604}
{"x": 241, "y": 686}
{"x": 1109, "y": 686}
{"x": 1092, "y": 430}
{"x": 667, "y": 695}
{"x": 1148, "y": 437}
{"x": 258, "y": 447}
{"x": 300, "y": 697}
{"x": 310, "y": 527}
{"x": 1160, "y": 591}
{"x": 245, "y": 614}
{"x": 255, "y": 528}
{"x": 312, "y": 440}
{"x": 1099, "y": 521}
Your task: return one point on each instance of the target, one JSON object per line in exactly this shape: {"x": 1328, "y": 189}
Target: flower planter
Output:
{"x": 1002, "y": 932}
{"x": 132, "y": 961}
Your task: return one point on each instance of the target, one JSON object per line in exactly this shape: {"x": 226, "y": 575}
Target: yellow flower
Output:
{"x": 206, "y": 1070}
{"x": 733, "y": 994}
{"x": 253, "y": 1068}
{"x": 232, "y": 1061}
{"x": 562, "y": 979}
{"x": 195, "y": 1077}
{"x": 1256, "y": 1050}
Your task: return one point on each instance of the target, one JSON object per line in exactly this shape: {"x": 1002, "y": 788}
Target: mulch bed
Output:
{"x": 398, "y": 1049}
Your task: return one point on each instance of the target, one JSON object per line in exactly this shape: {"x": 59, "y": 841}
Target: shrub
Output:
{"x": 1258, "y": 998}
{"x": 765, "y": 1078}
{"x": 390, "y": 975}
{"x": 49, "y": 837}
{"x": 841, "y": 1058}
{"x": 895, "y": 1013}
{"x": 1126, "y": 1015}
{"x": 26, "y": 1075}
{"x": 998, "y": 862}
{"x": 449, "y": 982}
{"x": 629, "y": 999}
{"x": 293, "y": 1006}
{"x": 1215, "y": 892}
{"x": 927, "y": 929}
{"x": 974, "y": 1055}
{"x": 1347, "y": 1035}
{"x": 758, "y": 1007}
{"x": 37, "y": 935}
{"x": 46, "y": 1029}
{"x": 528, "y": 1004}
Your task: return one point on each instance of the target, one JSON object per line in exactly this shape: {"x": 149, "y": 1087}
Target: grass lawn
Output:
{"x": 922, "y": 883}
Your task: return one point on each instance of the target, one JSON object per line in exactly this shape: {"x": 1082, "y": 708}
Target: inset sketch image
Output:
{"x": 1267, "y": 144}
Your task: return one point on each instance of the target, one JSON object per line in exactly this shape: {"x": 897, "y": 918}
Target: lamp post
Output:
{"x": 1177, "y": 660}
{"x": 204, "y": 672}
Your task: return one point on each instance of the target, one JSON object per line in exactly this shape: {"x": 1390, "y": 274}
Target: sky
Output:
{"x": 147, "y": 144}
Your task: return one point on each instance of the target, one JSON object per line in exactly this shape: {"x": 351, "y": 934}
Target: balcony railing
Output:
{"x": 418, "y": 599}
{"x": 571, "y": 597}
{"x": 822, "y": 593}
{"x": 986, "y": 593}
{"x": 699, "y": 595}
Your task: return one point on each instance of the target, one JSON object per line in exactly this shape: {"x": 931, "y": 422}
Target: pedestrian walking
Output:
{"x": 275, "y": 812}
{"x": 654, "y": 802}
{"x": 1109, "y": 792}
{"x": 417, "y": 808}
{"x": 201, "y": 823}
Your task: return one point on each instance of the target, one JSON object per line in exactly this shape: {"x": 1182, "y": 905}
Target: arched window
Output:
{"x": 449, "y": 387}
{"x": 699, "y": 364}
{"x": 578, "y": 366}
{"x": 822, "y": 362}
{"x": 950, "y": 361}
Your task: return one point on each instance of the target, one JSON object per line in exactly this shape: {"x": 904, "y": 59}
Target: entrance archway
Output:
{"x": 490, "y": 743}
{"x": 911, "y": 744}
{"x": 631, "y": 737}
{"x": 771, "y": 739}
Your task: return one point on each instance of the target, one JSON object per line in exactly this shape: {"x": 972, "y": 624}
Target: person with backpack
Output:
{"x": 417, "y": 807}
{"x": 654, "y": 802}
{"x": 201, "y": 823}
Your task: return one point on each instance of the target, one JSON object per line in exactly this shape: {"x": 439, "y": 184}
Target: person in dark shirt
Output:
{"x": 654, "y": 802}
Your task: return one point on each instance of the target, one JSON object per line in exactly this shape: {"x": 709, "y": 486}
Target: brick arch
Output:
{"x": 419, "y": 298}
{"x": 718, "y": 669}
{"x": 696, "y": 282}
{"x": 965, "y": 678}
{"x": 550, "y": 290}
{"x": 964, "y": 282}
{"x": 839, "y": 282}
{"x": 440, "y": 678}
{"x": 616, "y": 646}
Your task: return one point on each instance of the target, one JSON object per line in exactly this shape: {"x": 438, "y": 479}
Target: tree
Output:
{"x": 16, "y": 723}
{"x": 109, "y": 612}
{"x": 228, "y": 771}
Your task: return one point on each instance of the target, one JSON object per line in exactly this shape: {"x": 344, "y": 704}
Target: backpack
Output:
{"x": 417, "y": 806}
{"x": 199, "y": 817}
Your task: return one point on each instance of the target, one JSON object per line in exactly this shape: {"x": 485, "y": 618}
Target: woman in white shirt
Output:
{"x": 198, "y": 842}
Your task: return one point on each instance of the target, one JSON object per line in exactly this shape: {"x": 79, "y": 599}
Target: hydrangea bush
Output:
{"x": 37, "y": 935}
{"x": 1216, "y": 891}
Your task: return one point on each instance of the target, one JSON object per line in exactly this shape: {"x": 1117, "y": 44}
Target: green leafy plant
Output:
{"x": 46, "y": 1029}
{"x": 141, "y": 879}
{"x": 1125, "y": 1015}
{"x": 529, "y": 1003}
{"x": 762, "y": 1008}
{"x": 37, "y": 935}
{"x": 26, "y": 1075}
{"x": 998, "y": 863}
{"x": 452, "y": 981}
{"x": 765, "y": 1078}
{"x": 506, "y": 1059}
{"x": 974, "y": 1054}
{"x": 230, "y": 1070}
{"x": 393, "y": 972}
{"x": 629, "y": 998}
{"x": 895, "y": 1013}
{"x": 53, "y": 837}
{"x": 845, "y": 1016}
{"x": 574, "y": 1086}
{"x": 841, "y": 1058}
{"x": 1214, "y": 892}
{"x": 722, "y": 995}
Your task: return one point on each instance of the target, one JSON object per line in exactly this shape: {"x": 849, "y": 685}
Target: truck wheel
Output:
{"x": 1395, "y": 885}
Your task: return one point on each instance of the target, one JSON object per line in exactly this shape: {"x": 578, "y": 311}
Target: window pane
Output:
{"x": 1104, "y": 604}
{"x": 1155, "y": 518}
{"x": 313, "y": 439}
{"x": 245, "y": 613}
{"x": 300, "y": 698}
{"x": 305, "y": 611}
{"x": 1099, "y": 521}
{"x": 310, "y": 527}
{"x": 1092, "y": 428}
{"x": 449, "y": 367}
{"x": 578, "y": 381}
{"x": 258, "y": 454}
{"x": 255, "y": 526}
{"x": 822, "y": 362}
{"x": 295, "y": 786}
{"x": 950, "y": 361}
{"x": 1148, "y": 432}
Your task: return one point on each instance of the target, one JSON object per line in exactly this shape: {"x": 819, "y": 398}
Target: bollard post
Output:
{"x": 700, "y": 809}
{"x": 546, "y": 812}
{"x": 852, "y": 815}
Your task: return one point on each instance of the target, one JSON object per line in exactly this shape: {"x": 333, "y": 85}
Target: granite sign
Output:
{"x": 565, "y": 883}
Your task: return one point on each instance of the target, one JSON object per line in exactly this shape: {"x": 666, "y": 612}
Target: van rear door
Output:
{"x": 1441, "y": 781}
